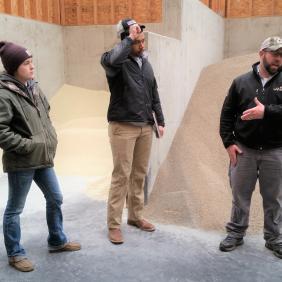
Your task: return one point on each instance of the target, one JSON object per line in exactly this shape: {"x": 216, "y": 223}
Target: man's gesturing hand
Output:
{"x": 254, "y": 113}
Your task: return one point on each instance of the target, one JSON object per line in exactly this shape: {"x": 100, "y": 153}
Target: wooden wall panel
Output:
{"x": 33, "y": 9}
{"x": 262, "y": 8}
{"x": 140, "y": 11}
{"x": 7, "y": 6}
{"x": 219, "y": 6}
{"x": 105, "y": 13}
{"x": 39, "y": 10}
{"x": 89, "y": 12}
{"x": 156, "y": 11}
{"x": 239, "y": 8}
{"x": 21, "y": 9}
{"x": 26, "y": 9}
{"x": 54, "y": 11}
{"x": 122, "y": 9}
{"x": 214, "y": 5}
{"x": 86, "y": 12}
{"x": 2, "y": 6}
{"x": 277, "y": 8}
{"x": 14, "y": 6}
{"x": 222, "y": 8}
{"x": 69, "y": 12}
{"x": 44, "y": 10}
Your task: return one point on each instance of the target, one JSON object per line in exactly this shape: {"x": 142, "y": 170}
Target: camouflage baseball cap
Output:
{"x": 271, "y": 43}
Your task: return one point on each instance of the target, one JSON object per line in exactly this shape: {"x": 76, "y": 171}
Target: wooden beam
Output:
{"x": 54, "y": 11}
{"x": 121, "y": 9}
{"x": 277, "y": 8}
{"x": 21, "y": 8}
{"x": 156, "y": 11}
{"x": 239, "y": 8}
{"x": 86, "y": 12}
{"x": 2, "y": 6}
{"x": 262, "y": 7}
{"x": 95, "y": 12}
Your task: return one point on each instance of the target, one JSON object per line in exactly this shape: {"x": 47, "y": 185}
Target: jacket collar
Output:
{"x": 255, "y": 71}
{"x": 11, "y": 83}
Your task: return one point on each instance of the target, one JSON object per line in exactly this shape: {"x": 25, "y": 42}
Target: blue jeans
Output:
{"x": 19, "y": 185}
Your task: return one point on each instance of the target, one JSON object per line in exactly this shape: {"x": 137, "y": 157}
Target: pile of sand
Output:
{"x": 192, "y": 187}
{"x": 79, "y": 116}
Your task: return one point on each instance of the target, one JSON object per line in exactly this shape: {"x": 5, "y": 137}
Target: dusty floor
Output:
{"x": 170, "y": 254}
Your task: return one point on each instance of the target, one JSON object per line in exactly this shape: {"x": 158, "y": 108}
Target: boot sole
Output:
{"x": 21, "y": 269}
{"x": 64, "y": 250}
{"x": 268, "y": 246}
{"x": 134, "y": 225}
{"x": 224, "y": 249}
{"x": 116, "y": 242}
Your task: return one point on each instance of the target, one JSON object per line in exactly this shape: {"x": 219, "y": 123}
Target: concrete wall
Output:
{"x": 178, "y": 64}
{"x": 244, "y": 36}
{"x": 45, "y": 41}
{"x": 84, "y": 47}
{"x": 85, "y": 44}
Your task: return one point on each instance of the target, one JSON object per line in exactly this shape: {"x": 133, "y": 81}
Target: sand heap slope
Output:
{"x": 192, "y": 187}
{"x": 79, "y": 116}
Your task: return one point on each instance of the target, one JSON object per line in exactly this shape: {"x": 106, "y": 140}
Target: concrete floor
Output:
{"x": 172, "y": 253}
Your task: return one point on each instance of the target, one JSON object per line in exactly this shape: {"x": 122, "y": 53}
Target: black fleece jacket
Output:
{"x": 134, "y": 91}
{"x": 259, "y": 134}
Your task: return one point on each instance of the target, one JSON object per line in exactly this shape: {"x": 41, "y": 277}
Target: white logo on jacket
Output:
{"x": 277, "y": 88}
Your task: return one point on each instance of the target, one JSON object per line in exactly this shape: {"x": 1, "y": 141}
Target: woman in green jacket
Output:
{"x": 29, "y": 142}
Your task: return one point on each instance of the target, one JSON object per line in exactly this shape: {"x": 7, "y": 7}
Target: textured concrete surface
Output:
{"x": 170, "y": 254}
{"x": 244, "y": 36}
{"x": 45, "y": 41}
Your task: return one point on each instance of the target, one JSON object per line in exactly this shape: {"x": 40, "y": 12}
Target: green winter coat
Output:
{"x": 27, "y": 136}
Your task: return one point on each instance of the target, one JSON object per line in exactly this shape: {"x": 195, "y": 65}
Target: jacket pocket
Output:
{"x": 38, "y": 154}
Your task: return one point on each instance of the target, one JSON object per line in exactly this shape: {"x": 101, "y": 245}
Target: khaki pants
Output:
{"x": 131, "y": 146}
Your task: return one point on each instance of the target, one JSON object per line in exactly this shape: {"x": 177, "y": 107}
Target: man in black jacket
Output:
{"x": 29, "y": 142}
{"x": 251, "y": 131}
{"x": 134, "y": 98}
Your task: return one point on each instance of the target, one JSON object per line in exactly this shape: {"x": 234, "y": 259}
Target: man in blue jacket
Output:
{"x": 134, "y": 98}
{"x": 251, "y": 131}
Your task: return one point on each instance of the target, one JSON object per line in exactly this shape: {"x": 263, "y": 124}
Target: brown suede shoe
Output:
{"x": 142, "y": 224}
{"x": 115, "y": 236}
{"x": 21, "y": 263}
{"x": 67, "y": 247}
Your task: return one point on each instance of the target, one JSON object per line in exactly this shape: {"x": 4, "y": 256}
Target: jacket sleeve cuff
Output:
{"x": 228, "y": 143}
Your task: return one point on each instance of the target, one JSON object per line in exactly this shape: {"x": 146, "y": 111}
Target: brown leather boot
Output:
{"x": 115, "y": 236}
{"x": 142, "y": 224}
{"x": 67, "y": 247}
{"x": 21, "y": 263}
